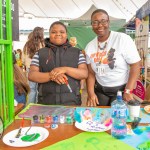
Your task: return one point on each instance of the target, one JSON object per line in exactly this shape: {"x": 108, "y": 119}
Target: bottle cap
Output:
{"x": 119, "y": 93}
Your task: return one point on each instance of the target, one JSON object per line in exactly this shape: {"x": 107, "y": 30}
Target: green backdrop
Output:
{"x": 82, "y": 30}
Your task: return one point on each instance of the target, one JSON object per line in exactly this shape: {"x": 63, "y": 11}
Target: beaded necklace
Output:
{"x": 101, "y": 51}
{"x": 102, "y": 48}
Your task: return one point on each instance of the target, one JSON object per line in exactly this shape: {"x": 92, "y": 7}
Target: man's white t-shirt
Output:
{"x": 114, "y": 60}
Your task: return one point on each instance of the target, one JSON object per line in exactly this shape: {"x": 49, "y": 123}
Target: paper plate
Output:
{"x": 92, "y": 126}
{"x": 147, "y": 108}
{"x": 9, "y": 138}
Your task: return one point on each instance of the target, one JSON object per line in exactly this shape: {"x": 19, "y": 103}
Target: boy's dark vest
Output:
{"x": 51, "y": 93}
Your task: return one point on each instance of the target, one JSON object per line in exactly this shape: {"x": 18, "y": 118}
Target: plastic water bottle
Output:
{"x": 119, "y": 116}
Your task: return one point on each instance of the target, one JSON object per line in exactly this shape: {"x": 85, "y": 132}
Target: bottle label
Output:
{"x": 122, "y": 113}
{"x": 119, "y": 113}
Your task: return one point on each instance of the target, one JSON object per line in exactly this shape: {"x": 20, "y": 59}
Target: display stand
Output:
{"x": 141, "y": 40}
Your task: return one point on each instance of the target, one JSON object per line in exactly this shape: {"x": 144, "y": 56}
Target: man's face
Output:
{"x": 58, "y": 34}
{"x": 100, "y": 24}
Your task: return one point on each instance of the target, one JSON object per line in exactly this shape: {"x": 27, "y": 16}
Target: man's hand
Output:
{"x": 127, "y": 97}
{"x": 92, "y": 100}
{"x": 59, "y": 70}
{"x": 56, "y": 71}
{"x": 60, "y": 79}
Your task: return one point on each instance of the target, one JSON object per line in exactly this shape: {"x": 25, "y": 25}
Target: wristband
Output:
{"x": 128, "y": 91}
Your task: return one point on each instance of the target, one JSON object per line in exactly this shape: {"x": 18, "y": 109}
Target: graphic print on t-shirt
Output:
{"x": 111, "y": 59}
{"x": 102, "y": 57}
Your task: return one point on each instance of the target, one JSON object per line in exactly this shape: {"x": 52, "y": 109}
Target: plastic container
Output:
{"x": 119, "y": 116}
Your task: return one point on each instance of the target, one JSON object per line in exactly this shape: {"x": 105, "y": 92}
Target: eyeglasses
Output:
{"x": 102, "y": 22}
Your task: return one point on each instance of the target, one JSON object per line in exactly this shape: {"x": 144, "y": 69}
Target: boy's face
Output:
{"x": 58, "y": 35}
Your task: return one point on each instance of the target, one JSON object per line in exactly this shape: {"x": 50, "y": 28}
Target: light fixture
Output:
{"x": 28, "y": 16}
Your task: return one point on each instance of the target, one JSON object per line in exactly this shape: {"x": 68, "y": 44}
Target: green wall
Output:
{"x": 82, "y": 30}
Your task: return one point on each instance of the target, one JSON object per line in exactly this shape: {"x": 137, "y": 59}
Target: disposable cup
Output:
{"x": 134, "y": 109}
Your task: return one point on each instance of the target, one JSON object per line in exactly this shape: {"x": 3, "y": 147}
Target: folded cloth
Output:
{"x": 144, "y": 146}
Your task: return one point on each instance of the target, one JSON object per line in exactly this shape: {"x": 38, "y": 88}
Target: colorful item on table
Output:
{"x": 37, "y": 109}
{"x": 141, "y": 130}
{"x": 11, "y": 141}
{"x": 77, "y": 117}
{"x": 55, "y": 119}
{"x": 62, "y": 119}
{"x": 54, "y": 126}
{"x": 48, "y": 119}
{"x": 31, "y": 137}
{"x": 28, "y": 130}
{"x": 92, "y": 114}
{"x": 135, "y": 122}
{"x": 66, "y": 81}
{"x": 108, "y": 122}
{"x": 22, "y": 123}
{"x": 21, "y": 126}
{"x": 147, "y": 108}
{"x": 42, "y": 119}
{"x": 92, "y": 119}
{"x": 129, "y": 130}
{"x": 47, "y": 125}
{"x": 144, "y": 146}
{"x": 35, "y": 119}
{"x": 69, "y": 119}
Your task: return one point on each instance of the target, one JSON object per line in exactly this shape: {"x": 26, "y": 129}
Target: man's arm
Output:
{"x": 133, "y": 76}
{"x": 36, "y": 76}
{"x": 77, "y": 73}
{"x": 92, "y": 98}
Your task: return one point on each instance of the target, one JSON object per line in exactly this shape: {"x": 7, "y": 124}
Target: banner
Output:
{"x": 141, "y": 37}
{"x": 139, "y": 91}
{"x": 15, "y": 20}
{"x": 141, "y": 41}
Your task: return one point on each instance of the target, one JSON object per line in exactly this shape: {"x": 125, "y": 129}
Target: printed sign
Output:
{"x": 139, "y": 91}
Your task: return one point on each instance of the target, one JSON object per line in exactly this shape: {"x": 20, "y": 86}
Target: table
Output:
{"x": 18, "y": 108}
{"x": 63, "y": 132}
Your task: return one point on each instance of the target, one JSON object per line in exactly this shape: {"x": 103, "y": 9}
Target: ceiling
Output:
{"x": 71, "y": 9}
